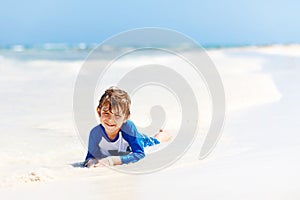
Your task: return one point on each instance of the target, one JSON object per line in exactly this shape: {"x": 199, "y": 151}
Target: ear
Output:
{"x": 99, "y": 111}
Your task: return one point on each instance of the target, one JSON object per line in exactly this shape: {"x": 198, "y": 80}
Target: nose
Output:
{"x": 111, "y": 117}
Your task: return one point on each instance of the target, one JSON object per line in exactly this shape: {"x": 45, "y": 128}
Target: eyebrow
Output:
{"x": 105, "y": 109}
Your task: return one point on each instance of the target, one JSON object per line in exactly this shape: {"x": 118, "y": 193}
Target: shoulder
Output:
{"x": 96, "y": 131}
{"x": 128, "y": 127}
{"x": 96, "y": 128}
{"x": 133, "y": 137}
{"x": 128, "y": 123}
{"x": 130, "y": 131}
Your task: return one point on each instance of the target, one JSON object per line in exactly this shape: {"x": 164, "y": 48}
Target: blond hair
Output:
{"x": 116, "y": 99}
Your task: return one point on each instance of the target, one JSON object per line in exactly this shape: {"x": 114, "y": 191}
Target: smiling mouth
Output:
{"x": 109, "y": 125}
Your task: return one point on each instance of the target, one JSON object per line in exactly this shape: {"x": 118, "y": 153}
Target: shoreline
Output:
{"x": 257, "y": 149}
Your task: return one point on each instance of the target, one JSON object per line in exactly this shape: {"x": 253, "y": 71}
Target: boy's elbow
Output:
{"x": 132, "y": 158}
{"x": 138, "y": 156}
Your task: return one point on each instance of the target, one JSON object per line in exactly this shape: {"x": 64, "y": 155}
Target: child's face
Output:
{"x": 111, "y": 120}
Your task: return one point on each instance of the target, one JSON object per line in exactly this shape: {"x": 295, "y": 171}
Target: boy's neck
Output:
{"x": 112, "y": 136}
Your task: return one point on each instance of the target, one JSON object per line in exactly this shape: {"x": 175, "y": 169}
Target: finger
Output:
{"x": 99, "y": 164}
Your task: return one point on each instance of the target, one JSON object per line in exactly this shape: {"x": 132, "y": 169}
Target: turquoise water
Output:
{"x": 70, "y": 52}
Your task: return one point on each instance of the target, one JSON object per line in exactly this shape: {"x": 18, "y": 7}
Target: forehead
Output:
{"x": 113, "y": 109}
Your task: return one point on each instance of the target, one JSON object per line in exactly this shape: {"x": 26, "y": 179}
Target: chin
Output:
{"x": 110, "y": 128}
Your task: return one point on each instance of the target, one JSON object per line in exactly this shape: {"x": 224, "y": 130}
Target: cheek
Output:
{"x": 102, "y": 119}
{"x": 120, "y": 122}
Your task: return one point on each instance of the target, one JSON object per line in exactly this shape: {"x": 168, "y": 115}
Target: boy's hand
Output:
{"x": 91, "y": 163}
{"x": 102, "y": 163}
{"x": 108, "y": 161}
{"x": 99, "y": 163}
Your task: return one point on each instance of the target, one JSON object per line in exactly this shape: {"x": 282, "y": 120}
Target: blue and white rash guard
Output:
{"x": 129, "y": 144}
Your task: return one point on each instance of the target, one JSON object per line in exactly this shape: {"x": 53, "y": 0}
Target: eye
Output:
{"x": 105, "y": 113}
{"x": 118, "y": 116}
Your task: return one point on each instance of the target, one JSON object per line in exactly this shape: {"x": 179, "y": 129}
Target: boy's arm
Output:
{"x": 136, "y": 142}
{"x": 150, "y": 141}
{"x": 93, "y": 148}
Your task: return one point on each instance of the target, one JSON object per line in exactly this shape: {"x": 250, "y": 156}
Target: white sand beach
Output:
{"x": 257, "y": 156}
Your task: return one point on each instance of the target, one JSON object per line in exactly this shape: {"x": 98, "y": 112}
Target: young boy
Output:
{"x": 116, "y": 141}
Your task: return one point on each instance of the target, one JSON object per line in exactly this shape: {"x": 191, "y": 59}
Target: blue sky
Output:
{"x": 226, "y": 22}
